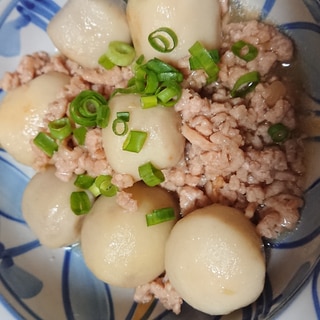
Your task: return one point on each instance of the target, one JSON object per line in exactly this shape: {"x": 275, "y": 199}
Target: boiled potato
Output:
{"x": 46, "y": 209}
{"x": 191, "y": 20}
{"x": 164, "y": 145}
{"x": 214, "y": 259}
{"x": 83, "y": 29}
{"x": 22, "y": 111}
{"x": 118, "y": 246}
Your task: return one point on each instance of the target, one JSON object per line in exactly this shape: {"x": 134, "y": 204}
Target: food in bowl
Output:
{"x": 236, "y": 142}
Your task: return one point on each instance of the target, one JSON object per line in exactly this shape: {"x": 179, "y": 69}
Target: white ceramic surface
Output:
{"x": 38, "y": 283}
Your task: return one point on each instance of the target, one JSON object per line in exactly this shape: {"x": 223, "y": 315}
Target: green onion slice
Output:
{"x": 80, "y": 135}
{"x": 135, "y": 141}
{"x": 80, "y": 202}
{"x": 201, "y": 58}
{"x": 95, "y": 190}
{"x": 151, "y": 82}
{"x": 119, "y": 127}
{"x": 279, "y": 132}
{"x": 163, "y": 40}
{"x": 105, "y": 62}
{"x": 159, "y": 216}
{"x": 245, "y": 51}
{"x": 150, "y": 175}
{"x": 123, "y": 115}
{"x": 106, "y": 187}
{"x": 60, "y": 128}
{"x": 149, "y": 101}
{"x": 84, "y": 181}
{"x": 103, "y": 115}
{"x": 159, "y": 66}
{"x": 169, "y": 93}
{"x": 118, "y": 53}
{"x": 46, "y": 143}
{"x": 245, "y": 84}
{"x": 90, "y": 108}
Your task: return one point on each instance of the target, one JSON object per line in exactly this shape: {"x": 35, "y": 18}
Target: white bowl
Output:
{"x": 39, "y": 283}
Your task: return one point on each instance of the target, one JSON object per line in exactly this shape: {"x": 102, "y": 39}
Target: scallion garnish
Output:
{"x": 160, "y": 215}
{"x": 245, "y": 51}
{"x": 159, "y": 66}
{"x": 119, "y": 53}
{"x": 123, "y": 115}
{"x": 245, "y": 84}
{"x": 279, "y": 132}
{"x": 150, "y": 79}
{"x": 135, "y": 141}
{"x": 84, "y": 181}
{"x": 105, "y": 186}
{"x": 45, "y": 143}
{"x": 80, "y": 135}
{"x": 201, "y": 58}
{"x": 163, "y": 40}
{"x": 149, "y": 101}
{"x": 90, "y": 108}
{"x": 150, "y": 175}
{"x": 151, "y": 82}
{"x": 169, "y": 93}
{"x": 119, "y": 125}
{"x": 60, "y": 128}
{"x": 105, "y": 62}
{"x": 103, "y": 115}
{"x": 80, "y": 202}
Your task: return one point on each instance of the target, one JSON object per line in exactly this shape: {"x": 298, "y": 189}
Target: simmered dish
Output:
{"x": 166, "y": 135}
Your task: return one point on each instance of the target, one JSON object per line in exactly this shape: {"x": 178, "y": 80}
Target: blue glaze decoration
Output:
{"x": 266, "y": 9}
{"x": 37, "y": 12}
{"x": 82, "y": 292}
{"x": 315, "y": 293}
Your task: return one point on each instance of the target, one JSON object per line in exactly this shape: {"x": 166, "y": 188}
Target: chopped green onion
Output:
{"x": 84, "y": 181}
{"x": 159, "y": 66}
{"x": 169, "y": 93}
{"x": 245, "y": 51}
{"x": 153, "y": 78}
{"x": 245, "y": 84}
{"x": 139, "y": 61}
{"x": 106, "y": 187}
{"x": 159, "y": 216}
{"x": 46, "y": 143}
{"x": 200, "y": 56}
{"x": 279, "y": 132}
{"x": 80, "y": 202}
{"x": 170, "y": 76}
{"x": 119, "y": 127}
{"x": 214, "y": 53}
{"x": 134, "y": 141}
{"x": 118, "y": 53}
{"x": 149, "y": 101}
{"x": 95, "y": 190}
{"x": 60, "y": 128}
{"x": 163, "y": 40}
{"x": 152, "y": 82}
{"x": 150, "y": 175}
{"x": 103, "y": 115}
{"x": 90, "y": 108}
{"x": 105, "y": 62}
{"x": 80, "y": 135}
{"x": 123, "y": 115}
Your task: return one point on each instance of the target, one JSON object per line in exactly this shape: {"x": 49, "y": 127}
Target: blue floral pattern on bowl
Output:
{"x": 39, "y": 283}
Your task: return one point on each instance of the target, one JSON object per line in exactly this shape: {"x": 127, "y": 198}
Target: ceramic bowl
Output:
{"x": 39, "y": 283}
